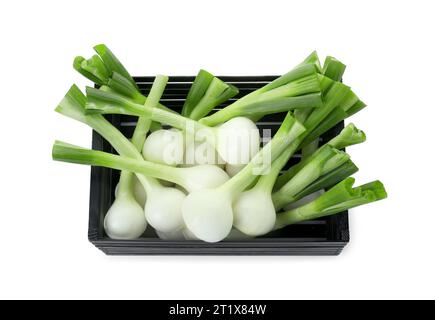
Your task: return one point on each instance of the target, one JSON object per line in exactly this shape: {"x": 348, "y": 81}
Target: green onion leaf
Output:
{"x": 337, "y": 199}
{"x": 320, "y": 163}
{"x": 93, "y": 69}
{"x": 329, "y": 179}
{"x": 350, "y": 135}
{"x": 112, "y": 63}
{"x": 333, "y": 69}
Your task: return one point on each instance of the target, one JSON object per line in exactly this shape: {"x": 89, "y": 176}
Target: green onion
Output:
{"x": 190, "y": 178}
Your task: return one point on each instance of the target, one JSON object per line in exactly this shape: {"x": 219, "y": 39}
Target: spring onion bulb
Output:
{"x": 164, "y": 147}
{"x": 254, "y": 212}
{"x": 125, "y": 218}
{"x": 237, "y": 140}
{"x": 162, "y": 208}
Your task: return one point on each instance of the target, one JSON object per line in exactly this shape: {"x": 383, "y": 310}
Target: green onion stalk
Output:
{"x": 206, "y": 93}
{"x": 300, "y": 81}
{"x": 334, "y": 70}
{"x": 190, "y": 178}
{"x": 125, "y": 186}
{"x": 320, "y": 164}
{"x": 105, "y": 101}
{"x": 349, "y": 136}
{"x": 339, "y": 198}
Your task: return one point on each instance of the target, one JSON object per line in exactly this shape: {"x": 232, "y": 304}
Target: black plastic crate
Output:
{"x": 325, "y": 236}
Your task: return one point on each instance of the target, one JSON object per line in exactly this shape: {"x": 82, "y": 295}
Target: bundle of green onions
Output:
{"x": 206, "y": 176}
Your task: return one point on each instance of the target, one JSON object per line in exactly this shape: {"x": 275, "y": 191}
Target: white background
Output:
{"x": 389, "y": 49}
